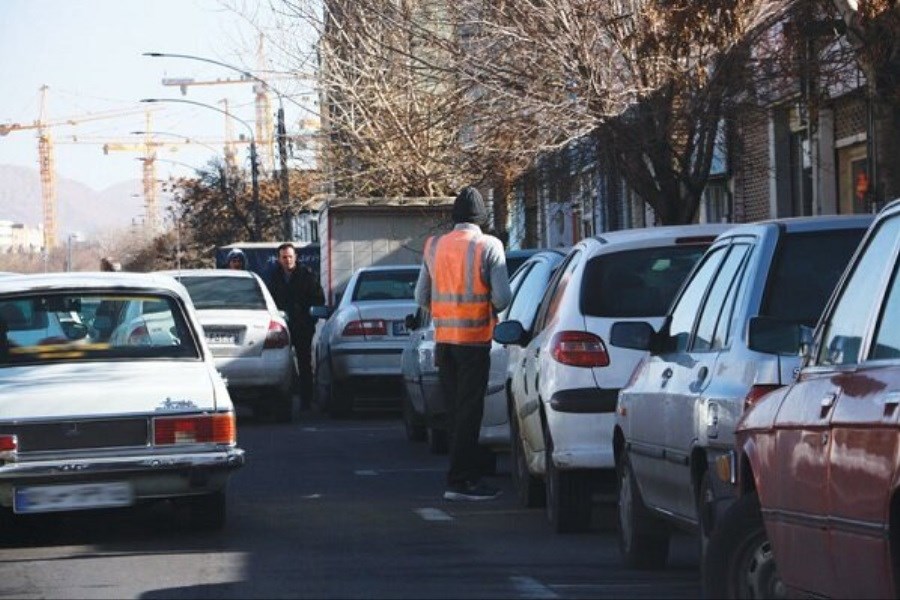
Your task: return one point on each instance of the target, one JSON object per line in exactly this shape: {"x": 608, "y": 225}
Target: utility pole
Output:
{"x": 283, "y": 174}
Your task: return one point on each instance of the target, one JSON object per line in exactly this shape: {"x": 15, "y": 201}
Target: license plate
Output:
{"x": 221, "y": 338}
{"x": 51, "y": 498}
{"x": 400, "y": 328}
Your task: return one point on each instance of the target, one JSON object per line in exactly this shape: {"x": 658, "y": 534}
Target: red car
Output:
{"x": 816, "y": 464}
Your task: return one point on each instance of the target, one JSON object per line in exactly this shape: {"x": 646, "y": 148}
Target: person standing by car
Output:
{"x": 295, "y": 289}
{"x": 464, "y": 283}
{"x": 236, "y": 259}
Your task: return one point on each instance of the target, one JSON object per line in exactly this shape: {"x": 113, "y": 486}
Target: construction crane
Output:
{"x": 46, "y": 157}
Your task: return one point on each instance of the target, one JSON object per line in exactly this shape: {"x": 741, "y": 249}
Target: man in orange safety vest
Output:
{"x": 464, "y": 283}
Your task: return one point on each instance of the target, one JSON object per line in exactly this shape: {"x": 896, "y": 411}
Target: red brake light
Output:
{"x": 366, "y": 327}
{"x": 579, "y": 349}
{"x": 218, "y": 428}
{"x": 277, "y": 336}
{"x": 8, "y": 442}
{"x": 756, "y": 392}
{"x": 139, "y": 336}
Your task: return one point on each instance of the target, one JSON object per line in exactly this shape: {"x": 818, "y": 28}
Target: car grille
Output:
{"x": 79, "y": 435}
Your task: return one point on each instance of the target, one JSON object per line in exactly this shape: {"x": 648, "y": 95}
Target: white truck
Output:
{"x": 359, "y": 232}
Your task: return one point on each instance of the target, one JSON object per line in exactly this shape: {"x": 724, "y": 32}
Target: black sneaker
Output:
{"x": 471, "y": 491}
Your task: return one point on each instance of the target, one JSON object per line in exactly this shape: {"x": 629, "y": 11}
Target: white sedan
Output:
{"x": 88, "y": 421}
{"x": 247, "y": 336}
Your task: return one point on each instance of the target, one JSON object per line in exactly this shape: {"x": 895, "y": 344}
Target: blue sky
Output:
{"x": 89, "y": 53}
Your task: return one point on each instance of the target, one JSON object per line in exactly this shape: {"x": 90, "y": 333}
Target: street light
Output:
{"x": 282, "y": 131}
{"x": 254, "y": 170}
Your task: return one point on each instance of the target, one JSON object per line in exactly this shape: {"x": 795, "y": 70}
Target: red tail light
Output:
{"x": 277, "y": 336}
{"x": 139, "y": 336}
{"x": 8, "y": 442}
{"x": 579, "y": 349}
{"x": 219, "y": 428}
{"x": 366, "y": 327}
{"x": 757, "y": 392}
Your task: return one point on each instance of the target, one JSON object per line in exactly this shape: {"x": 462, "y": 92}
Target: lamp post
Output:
{"x": 254, "y": 169}
{"x": 282, "y": 131}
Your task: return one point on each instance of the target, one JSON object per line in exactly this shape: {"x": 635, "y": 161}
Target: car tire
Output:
{"x": 207, "y": 512}
{"x": 568, "y": 495}
{"x": 413, "y": 423}
{"x": 705, "y": 506}
{"x": 529, "y": 489}
{"x": 340, "y": 400}
{"x": 739, "y": 560}
{"x": 438, "y": 440}
{"x": 643, "y": 538}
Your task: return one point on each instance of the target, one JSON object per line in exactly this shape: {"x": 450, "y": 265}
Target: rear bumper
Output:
{"x": 585, "y": 400}
{"x": 268, "y": 369}
{"x": 353, "y": 361}
{"x": 582, "y": 440}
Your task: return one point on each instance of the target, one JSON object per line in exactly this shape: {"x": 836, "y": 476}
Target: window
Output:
{"x": 554, "y": 292}
{"x": 681, "y": 323}
{"x": 887, "y": 336}
{"x": 636, "y": 283}
{"x": 847, "y": 323}
{"x": 386, "y": 285}
{"x": 224, "y": 292}
{"x": 712, "y": 328}
{"x": 524, "y": 305}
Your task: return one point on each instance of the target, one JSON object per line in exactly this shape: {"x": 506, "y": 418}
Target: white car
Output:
{"x": 87, "y": 423}
{"x": 357, "y": 350}
{"x": 248, "y": 337}
{"x": 566, "y": 381}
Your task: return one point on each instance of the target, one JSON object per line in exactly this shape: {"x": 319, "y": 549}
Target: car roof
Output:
{"x": 638, "y": 237}
{"x": 92, "y": 280}
{"x": 803, "y": 224}
{"x": 389, "y": 268}
{"x": 207, "y": 273}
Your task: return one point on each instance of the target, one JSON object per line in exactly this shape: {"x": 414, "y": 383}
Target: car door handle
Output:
{"x": 667, "y": 373}
{"x": 702, "y": 373}
{"x": 827, "y": 403}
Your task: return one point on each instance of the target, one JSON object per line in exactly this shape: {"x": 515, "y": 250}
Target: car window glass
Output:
{"x": 717, "y": 308}
{"x": 224, "y": 292}
{"x": 524, "y": 305}
{"x": 847, "y": 323}
{"x": 553, "y": 295}
{"x": 636, "y": 283}
{"x": 887, "y": 336}
{"x": 681, "y": 323}
{"x": 385, "y": 285}
{"x": 805, "y": 270}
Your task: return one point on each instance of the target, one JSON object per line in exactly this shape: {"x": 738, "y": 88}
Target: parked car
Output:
{"x": 717, "y": 350}
{"x": 357, "y": 350}
{"x": 814, "y": 465}
{"x": 88, "y": 423}
{"x": 248, "y": 337}
{"x": 566, "y": 380}
{"x": 424, "y": 410}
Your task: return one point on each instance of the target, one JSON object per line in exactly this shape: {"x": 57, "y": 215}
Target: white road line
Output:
{"x": 433, "y": 514}
{"x": 528, "y": 587}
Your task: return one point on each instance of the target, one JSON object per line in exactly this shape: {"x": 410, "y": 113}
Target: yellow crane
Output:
{"x": 46, "y": 164}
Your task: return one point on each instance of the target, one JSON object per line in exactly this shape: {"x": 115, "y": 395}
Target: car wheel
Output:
{"x": 643, "y": 539}
{"x": 739, "y": 560}
{"x": 529, "y": 489}
{"x": 413, "y": 423}
{"x": 340, "y": 401}
{"x": 207, "y": 512}
{"x": 705, "y": 504}
{"x": 438, "y": 440}
{"x": 568, "y": 495}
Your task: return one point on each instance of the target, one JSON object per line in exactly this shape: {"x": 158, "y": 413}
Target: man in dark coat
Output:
{"x": 295, "y": 289}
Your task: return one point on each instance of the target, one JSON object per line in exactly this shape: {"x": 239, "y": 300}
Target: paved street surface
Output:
{"x": 333, "y": 509}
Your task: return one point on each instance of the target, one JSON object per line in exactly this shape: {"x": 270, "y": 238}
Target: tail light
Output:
{"x": 277, "y": 336}
{"x": 217, "y": 428}
{"x": 8, "y": 442}
{"x": 139, "y": 336}
{"x": 366, "y": 327}
{"x": 756, "y": 392}
{"x": 579, "y": 349}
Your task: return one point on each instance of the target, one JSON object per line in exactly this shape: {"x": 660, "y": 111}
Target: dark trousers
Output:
{"x": 463, "y": 374}
{"x": 303, "y": 349}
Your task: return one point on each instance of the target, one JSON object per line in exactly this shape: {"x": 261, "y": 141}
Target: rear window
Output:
{"x": 73, "y": 327}
{"x": 224, "y": 292}
{"x": 636, "y": 283}
{"x": 805, "y": 271}
{"x": 385, "y": 285}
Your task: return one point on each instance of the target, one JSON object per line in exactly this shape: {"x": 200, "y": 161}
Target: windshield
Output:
{"x": 386, "y": 285}
{"x": 224, "y": 292}
{"x": 74, "y": 327}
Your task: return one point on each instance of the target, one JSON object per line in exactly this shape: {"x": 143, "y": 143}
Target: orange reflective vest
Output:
{"x": 461, "y": 306}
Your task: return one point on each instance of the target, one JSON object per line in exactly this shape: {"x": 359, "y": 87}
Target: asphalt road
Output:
{"x": 334, "y": 509}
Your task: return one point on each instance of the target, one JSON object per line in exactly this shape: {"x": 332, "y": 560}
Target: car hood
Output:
{"x": 105, "y": 388}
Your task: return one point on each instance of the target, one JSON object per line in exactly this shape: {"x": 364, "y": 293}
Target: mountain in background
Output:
{"x": 79, "y": 209}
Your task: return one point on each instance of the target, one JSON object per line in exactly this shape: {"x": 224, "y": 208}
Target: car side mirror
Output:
{"x": 412, "y": 322}
{"x": 774, "y": 336}
{"x": 807, "y": 339}
{"x": 319, "y": 312}
{"x": 511, "y": 333}
{"x": 636, "y": 335}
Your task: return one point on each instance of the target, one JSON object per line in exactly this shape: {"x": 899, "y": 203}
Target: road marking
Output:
{"x": 433, "y": 514}
{"x": 528, "y": 587}
{"x": 366, "y": 472}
